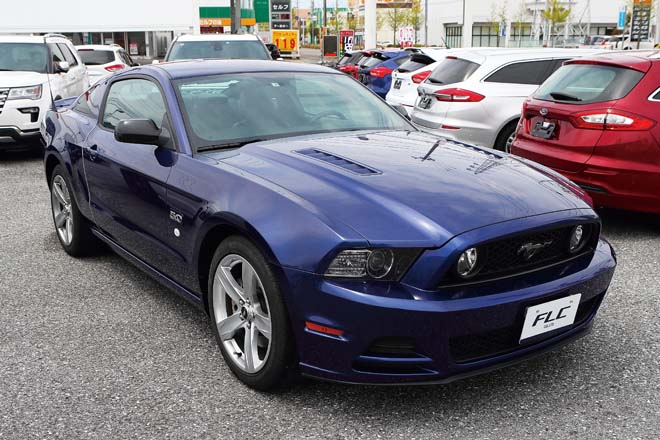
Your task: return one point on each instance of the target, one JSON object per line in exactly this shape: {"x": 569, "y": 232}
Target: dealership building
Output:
{"x": 144, "y": 27}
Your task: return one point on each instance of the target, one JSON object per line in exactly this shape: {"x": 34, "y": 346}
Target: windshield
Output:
{"x": 221, "y": 110}
{"x": 27, "y": 57}
{"x": 452, "y": 70}
{"x": 228, "y": 49}
{"x": 96, "y": 57}
{"x": 588, "y": 83}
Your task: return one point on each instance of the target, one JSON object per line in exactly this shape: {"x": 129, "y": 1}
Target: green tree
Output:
{"x": 555, "y": 14}
{"x": 415, "y": 17}
{"x": 395, "y": 18}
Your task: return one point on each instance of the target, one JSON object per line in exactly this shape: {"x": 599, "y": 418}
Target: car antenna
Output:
{"x": 437, "y": 143}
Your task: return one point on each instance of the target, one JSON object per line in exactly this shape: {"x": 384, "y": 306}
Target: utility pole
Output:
{"x": 235, "y": 14}
{"x": 325, "y": 16}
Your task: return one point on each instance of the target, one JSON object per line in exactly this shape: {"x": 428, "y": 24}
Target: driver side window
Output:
{"x": 134, "y": 99}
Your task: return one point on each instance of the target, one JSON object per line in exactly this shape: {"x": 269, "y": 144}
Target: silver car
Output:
{"x": 476, "y": 95}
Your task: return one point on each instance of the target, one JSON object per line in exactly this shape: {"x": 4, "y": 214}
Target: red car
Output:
{"x": 595, "y": 120}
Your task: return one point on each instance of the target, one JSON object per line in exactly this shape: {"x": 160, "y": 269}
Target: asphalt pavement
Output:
{"x": 93, "y": 348}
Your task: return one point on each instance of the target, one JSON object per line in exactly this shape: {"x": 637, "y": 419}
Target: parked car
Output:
{"x": 274, "y": 51}
{"x": 102, "y": 60}
{"x": 375, "y": 69}
{"x": 321, "y": 231}
{"x": 217, "y": 46}
{"x": 34, "y": 71}
{"x": 348, "y": 63}
{"x": 596, "y": 122}
{"x": 407, "y": 77}
{"x": 475, "y": 95}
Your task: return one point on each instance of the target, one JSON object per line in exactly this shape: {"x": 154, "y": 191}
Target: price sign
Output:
{"x": 286, "y": 40}
{"x": 346, "y": 40}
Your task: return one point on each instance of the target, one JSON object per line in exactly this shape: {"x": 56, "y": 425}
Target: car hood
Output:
{"x": 391, "y": 189}
{"x": 21, "y": 79}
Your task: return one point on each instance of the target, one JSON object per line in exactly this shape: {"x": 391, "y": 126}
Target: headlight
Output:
{"x": 32, "y": 92}
{"x": 468, "y": 263}
{"x": 379, "y": 264}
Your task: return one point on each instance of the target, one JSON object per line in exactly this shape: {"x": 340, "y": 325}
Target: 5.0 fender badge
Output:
{"x": 176, "y": 217}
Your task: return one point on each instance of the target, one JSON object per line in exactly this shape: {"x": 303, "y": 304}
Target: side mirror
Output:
{"x": 401, "y": 109}
{"x": 140, "y": 131}
{"x": 61, "y": 67}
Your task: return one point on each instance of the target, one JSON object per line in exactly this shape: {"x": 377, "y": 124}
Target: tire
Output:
{"x": 507, "y": 133}
{"x": 238, "y": 313}
{"x": 74, "y": 234}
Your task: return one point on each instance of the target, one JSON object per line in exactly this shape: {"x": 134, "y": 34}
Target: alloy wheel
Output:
{"x": 509, "y": 142}
{"x": 242, "y": 314}
{"x": 61, "y": 204}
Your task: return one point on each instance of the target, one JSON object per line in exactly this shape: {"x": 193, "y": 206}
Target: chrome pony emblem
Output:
{"x": 529, "y": 250}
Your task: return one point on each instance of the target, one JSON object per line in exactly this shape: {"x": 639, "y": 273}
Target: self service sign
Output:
{"x": 280, "y": 14}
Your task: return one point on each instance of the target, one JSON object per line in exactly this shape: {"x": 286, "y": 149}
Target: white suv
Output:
{"x": 218, "y": 46}
{"x": 476, "y": 95}
{"x": 103, "y": 60}
{"x": 34, "y": 71}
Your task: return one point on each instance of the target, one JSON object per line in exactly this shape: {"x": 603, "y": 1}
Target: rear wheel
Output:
{"x": 248, "y": 316}
{"x": 506, "y": 137}
{"x": 72, "y": 230}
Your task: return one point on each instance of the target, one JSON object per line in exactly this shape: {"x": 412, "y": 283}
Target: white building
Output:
{"x": 468, "y": 23}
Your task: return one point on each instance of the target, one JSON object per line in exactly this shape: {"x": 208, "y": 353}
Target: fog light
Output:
{"x": 578, "y": 238}
{"x": 380, "y": 263}
{"x": 467, "y": 263}
{"x": 29, "y": 110}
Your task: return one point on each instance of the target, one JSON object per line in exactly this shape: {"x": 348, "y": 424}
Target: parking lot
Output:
{"x": 95, "y": 349}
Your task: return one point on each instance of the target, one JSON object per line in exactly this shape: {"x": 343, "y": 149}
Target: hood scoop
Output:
{"x": 338, "y": 161}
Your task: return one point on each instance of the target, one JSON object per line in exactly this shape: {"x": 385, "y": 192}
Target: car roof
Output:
{"x": 21, "y": 39}
{"x": 192, "y": 68}
{"x": 633, "y": 59}
{"x": 505, "y": 55}
{"x": 218, "y": 37}
{"x": 99, "y": 47}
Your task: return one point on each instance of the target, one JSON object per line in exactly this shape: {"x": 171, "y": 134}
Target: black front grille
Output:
{"x": 506, "y": 257}
{"x": 471, "y": 348}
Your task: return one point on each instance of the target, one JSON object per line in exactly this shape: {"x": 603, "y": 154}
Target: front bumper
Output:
{"x": 453, "y": 332}
{"x": 19, "y": 127}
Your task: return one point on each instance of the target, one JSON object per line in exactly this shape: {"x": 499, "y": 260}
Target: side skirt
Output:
{"x": 186, "y": 294}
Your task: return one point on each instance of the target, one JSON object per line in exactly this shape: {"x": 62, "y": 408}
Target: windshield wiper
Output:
{"x": 228, "y": 145}
{"x": 564, "y": 96}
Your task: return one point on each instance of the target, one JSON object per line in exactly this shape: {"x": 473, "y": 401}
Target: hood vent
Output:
{"x": 338, "y": 161}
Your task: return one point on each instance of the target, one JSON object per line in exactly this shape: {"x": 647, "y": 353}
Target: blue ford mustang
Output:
{"x": 324, "y": 234}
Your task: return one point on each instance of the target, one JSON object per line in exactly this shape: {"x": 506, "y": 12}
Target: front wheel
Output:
{"x": 506, "y": 137}
{"x": 248, "y": 316}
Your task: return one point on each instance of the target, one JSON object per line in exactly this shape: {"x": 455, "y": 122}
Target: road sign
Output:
{"x": 286, "y": 41}
{"x": 330, "y": 48}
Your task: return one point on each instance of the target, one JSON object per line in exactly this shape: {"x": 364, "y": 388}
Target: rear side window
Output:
{"x": 373, "y": 60}
{"x": 133, "y": 99}
{"x": 588, "y": 83}
{"x": 527, "y": 72}
{"x": 401, "y": 61}
{"x": 96, "y": 57}
{"x": 416, "y": 62}
{"x": 452, "y": 70}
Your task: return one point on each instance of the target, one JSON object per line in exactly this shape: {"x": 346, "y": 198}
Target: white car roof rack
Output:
{"x": 54, "y": 35}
